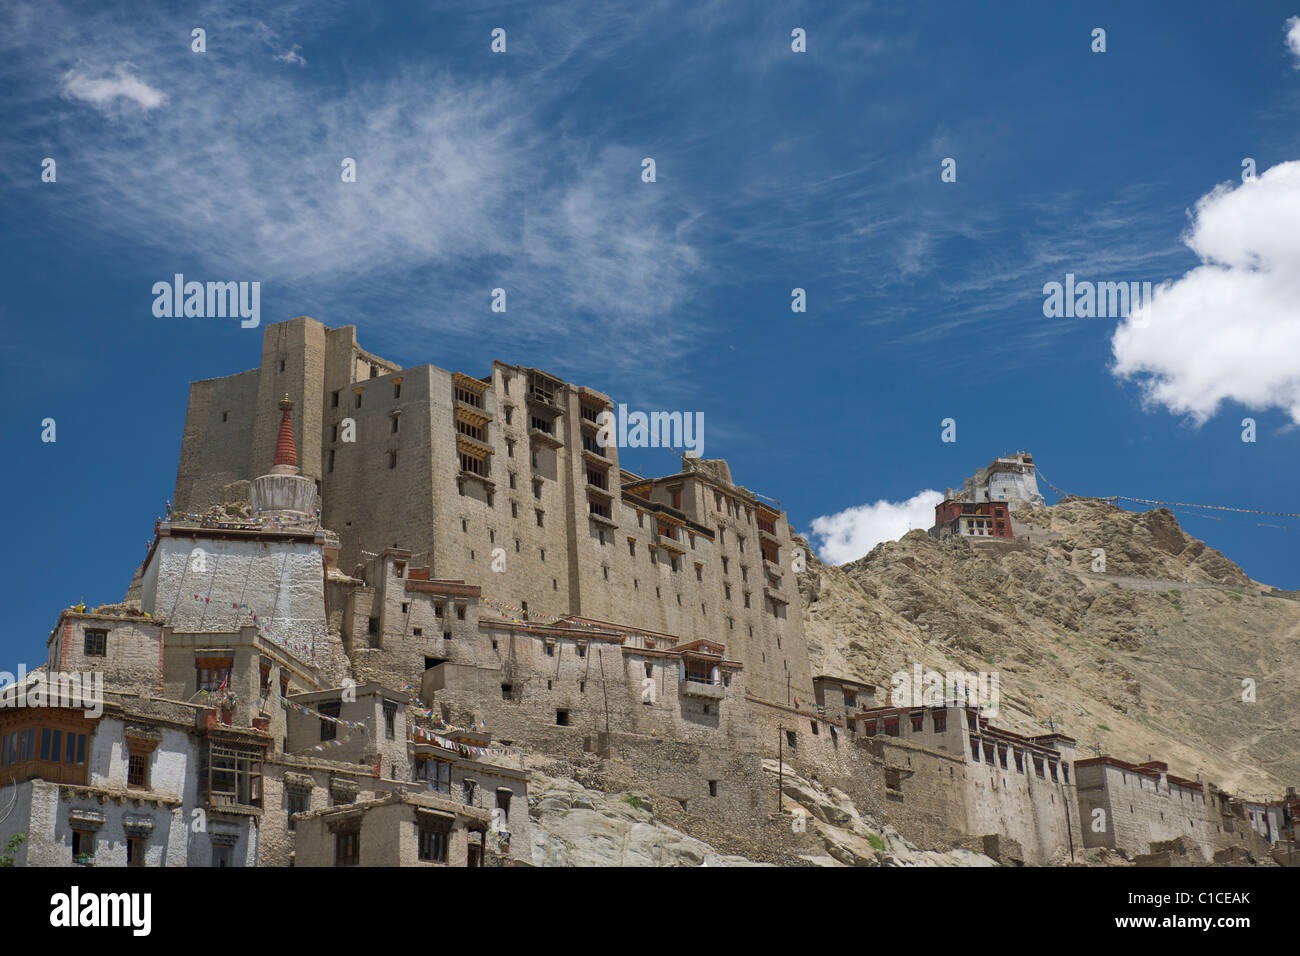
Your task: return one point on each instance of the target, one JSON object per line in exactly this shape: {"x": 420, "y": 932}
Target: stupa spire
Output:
{"x": 284, "y": 490}
{"x": 286, "y": 454}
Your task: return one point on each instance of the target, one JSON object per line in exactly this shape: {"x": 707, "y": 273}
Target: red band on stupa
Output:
{"x": 285, "y": 452}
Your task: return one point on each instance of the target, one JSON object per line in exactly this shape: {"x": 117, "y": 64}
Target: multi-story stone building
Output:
{"x": 1134, "y": 808}
{"x": 501, "y": 481}
{"x": 125, "y": 787}
{"x": 227, "y": 709}
{"x": 968, "y": 519}
{"x": 497, "y": 581}
{"x": 401, "y": 829}
{"x": 953, "y": 772}
{"x": 1012, "y": 478}
{"x": 839, "y": 697}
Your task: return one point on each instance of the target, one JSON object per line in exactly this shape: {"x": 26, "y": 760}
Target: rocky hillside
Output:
{"x": 851, "y": 839}
{"x": 574, "y": 825}
{"x": 1146, "y": 658}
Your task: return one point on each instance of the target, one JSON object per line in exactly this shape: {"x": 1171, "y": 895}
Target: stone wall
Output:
{"x": 132, "y": 650}
{"x": 404, "y": 487}
{"x": 166, "y": 843}
{"x": 277, "y": 575}
{"x": 218, "y": 441}
{"x": 372, "y": 746}
{"x": 322, "y": 782}
{"x": 1128, "y": 811}
{"x": 389, "y": 833}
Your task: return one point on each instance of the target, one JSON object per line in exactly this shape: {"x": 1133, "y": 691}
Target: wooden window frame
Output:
{"x": 329, "y": 708}
{"x": 99, "y": 636}
{"x": 347, "y": 847}
{"x": 225, "y": 766}
{"x": 433, "y": 842}
{"x": 211, "y": 673}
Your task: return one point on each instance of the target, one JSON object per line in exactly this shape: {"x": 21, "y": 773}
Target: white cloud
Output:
{"x": 291, "y": 56}
{"x": 1293, "y": 38}
{"x": 1230, "y": 328}
{"x": 103, "y": 92}
{"x": 851, "y": 533}
{"x": 271, "y": 39}
{"x": 464, "y": 183}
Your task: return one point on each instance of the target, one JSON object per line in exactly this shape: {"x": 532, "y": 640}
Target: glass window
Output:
{"x": 433, "y": 844}
{"x": 299, "y": 801}
{"x": 347, "y": 849}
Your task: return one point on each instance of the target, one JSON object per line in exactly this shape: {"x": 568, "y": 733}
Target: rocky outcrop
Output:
{"x": 852, "y": 839}
{"x": 575, "y": 826}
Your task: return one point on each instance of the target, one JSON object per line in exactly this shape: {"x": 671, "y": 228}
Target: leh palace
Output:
{"x": 385, "y": 604}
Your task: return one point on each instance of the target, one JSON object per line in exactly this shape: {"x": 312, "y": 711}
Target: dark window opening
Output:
{"x": 433, "y": 844}
{"x": 96, "y": 643}
{"x": 328, "y": 728}
{"x": 347, "y": 849}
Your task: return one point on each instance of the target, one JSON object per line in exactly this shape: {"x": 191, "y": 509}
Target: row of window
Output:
{"x": 471, "y": 430}
{"x": 604, "y": 509}
{"x": 889, "y": 726}
{"x": 83, "y": 849}
{"x": 995, "y": 754}
{"x": 724, "y": 502}
{"x": 792, "y": 738}
{"x": 43, "y": 743}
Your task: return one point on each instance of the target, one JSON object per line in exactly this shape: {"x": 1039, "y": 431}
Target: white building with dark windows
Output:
{"x": 224, "y": 713}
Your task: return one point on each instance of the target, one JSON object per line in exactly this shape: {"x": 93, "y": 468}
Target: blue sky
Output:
{"x": 775, "y": 170}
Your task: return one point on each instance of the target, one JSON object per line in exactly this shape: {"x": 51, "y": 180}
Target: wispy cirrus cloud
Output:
{"x": 291, "y": 56}
{"x": 461, "y": 186}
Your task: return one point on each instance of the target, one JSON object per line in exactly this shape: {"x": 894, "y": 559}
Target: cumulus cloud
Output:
{"x": 851, "y": 533}
{"x": 104, "y": 92}
{"x": 1228, "y": 330}
{"x": 1293, "y": 39}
